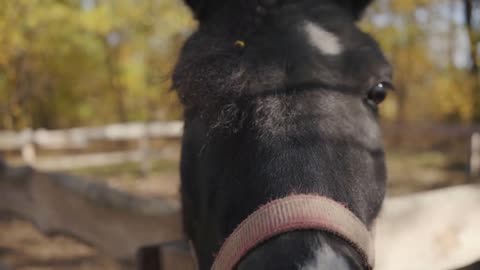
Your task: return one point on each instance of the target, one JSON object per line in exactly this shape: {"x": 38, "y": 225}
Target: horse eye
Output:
{"x": 379, "y": 92}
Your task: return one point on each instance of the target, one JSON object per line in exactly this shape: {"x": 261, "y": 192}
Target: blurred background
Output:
{"x": 84, "y": 89}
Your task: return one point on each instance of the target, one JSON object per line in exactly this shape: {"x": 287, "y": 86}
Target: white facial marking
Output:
{"x": 328, "y": 256}
{"x": 323, "y": 40}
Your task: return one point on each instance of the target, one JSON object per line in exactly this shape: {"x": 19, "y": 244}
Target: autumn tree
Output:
{"x": 67, "y": 63}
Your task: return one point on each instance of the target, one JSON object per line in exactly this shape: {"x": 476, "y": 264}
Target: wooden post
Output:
{"x": 174, "y": 255}
{"x": 3, "y": 164}
{"x": 475, "y": 155}
{"x": 144, "y": 149}
{"x": 29, "y": 154}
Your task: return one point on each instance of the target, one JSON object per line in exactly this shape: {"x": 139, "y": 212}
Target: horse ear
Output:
{"x": 357, "y": 7}
{"x": 198, "y": 7}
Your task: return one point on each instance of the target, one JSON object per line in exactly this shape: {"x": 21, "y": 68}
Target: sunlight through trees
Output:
{"x": 67, "y": 63}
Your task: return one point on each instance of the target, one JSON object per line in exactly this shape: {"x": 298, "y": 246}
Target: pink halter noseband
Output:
{"x": 295, "y": 212}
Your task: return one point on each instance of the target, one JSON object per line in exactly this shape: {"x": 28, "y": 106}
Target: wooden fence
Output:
{"x": 475, "y": 155}
{"x": 468, "y": 136}
{"x": 435, "y": 230}
{"x": 28, "y": 142}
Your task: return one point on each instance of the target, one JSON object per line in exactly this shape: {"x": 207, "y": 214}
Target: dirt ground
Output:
{"x": 22, "y": 247}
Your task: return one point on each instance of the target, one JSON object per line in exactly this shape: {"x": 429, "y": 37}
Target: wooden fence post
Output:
{"x": 29, "y": 144}
{"x": 29, "y": 154}
{"x": 475, "y": 155}
{"x": 144, "y": 150}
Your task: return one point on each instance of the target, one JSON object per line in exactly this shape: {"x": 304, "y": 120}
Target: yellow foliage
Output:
{"x": 63, "y": 65}
{"x": 87, "y": 66}
{"x": 452, "y": 96}
{"x": 405, "y": 6}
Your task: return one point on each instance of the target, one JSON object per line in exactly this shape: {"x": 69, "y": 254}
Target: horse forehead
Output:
{"x": 326, "y": 42}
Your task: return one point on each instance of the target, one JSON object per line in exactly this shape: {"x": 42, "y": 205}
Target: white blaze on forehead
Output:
{"x": 323, "y": 40}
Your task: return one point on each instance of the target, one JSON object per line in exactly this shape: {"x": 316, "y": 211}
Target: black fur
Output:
{"x": 203, "y": 9}
{"x": 276, "y": 117}
{"x": 357, "y": 7}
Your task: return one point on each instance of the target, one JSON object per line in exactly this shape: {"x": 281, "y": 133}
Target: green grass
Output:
{"x": 412, "y": 171}
{"x": 128, "y": 170}
{"x": 408, "y": 170}
{"x": 430, "y": 159}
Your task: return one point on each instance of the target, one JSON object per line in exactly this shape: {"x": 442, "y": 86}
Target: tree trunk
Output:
{"x": 116, "y": 88}
{"x": 474, "y": 71}
{"x": 451, "y": 36}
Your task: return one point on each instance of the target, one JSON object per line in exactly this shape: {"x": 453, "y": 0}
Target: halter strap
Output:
{"x": 295, "y": 212}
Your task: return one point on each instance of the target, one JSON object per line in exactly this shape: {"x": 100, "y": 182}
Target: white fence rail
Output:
{"x": 29, "y": 141}
{"x": 77, "y": 138}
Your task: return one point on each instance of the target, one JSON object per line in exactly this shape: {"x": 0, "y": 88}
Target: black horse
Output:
{"x": 280, "y": 97}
